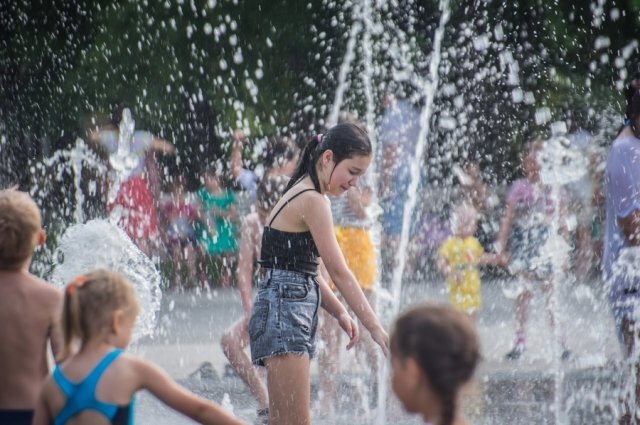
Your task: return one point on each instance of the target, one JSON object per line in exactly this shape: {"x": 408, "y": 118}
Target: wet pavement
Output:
{"x": 186, "y": 344}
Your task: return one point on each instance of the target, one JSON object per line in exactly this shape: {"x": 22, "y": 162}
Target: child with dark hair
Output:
{"x": 434, "y": 353}
{"x": 29, "y": 310}
{"x": 98, "y": 381}
{"x": 298, "y": 231}
{"x": 236, "y": 338}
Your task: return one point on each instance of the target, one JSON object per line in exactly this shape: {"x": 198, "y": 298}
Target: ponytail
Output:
{"x": 448, "y": 408}
{"x": 307, "y": 163}
{"x": 89, "y": 304}
{"x": 71, "y": 317}
{"x": 344, "y": 140}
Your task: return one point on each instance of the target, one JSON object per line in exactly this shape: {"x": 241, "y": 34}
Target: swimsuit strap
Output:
{"x": 287, "y": 203}
{"x": 82, "y": 395}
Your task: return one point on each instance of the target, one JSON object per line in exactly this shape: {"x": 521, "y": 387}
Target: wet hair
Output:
{"x": 444, "y": 344}
{"x": 344, "y": 140}
{"x": 279, "y": 149}
{"x": 20, "y": 221}
{"x": 90, "y": 301}
{"x": 269, "y": 191}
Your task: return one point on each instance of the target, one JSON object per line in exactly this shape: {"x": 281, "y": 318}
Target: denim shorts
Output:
{"x": 285, "y": 315}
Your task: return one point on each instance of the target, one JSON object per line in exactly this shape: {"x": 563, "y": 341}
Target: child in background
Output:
{"x": 459, "y": 257}
{"x": 217, "y": 232}
{"x": 236, "y": 338}
{"x": 178, "y": 217}
{"x": 29, "y": 310}
{"x": 434, "y": 352}
{"x": 524, "y": 230}
{"x": 97, "y": 383}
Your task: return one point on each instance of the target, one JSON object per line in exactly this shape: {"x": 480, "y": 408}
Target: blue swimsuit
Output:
{"x": 81, "y": 396}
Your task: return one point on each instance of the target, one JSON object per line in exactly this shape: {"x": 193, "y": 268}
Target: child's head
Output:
{"x": 20, "y": 227}
{"x": 434, "y": 352}
{"x": 269, "y": 192}
{"x": 100, "y": 304}
{"x": 464, "y": 220}
{"x": 335, "y": 160}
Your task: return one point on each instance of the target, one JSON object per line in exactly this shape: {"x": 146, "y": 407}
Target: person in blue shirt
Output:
{"x": 622, "y": 232}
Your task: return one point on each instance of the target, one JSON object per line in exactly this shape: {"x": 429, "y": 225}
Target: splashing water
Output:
{"x": 102, "y": 244}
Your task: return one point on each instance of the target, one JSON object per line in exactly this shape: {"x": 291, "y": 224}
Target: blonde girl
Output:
{"x": 97, "y": 381}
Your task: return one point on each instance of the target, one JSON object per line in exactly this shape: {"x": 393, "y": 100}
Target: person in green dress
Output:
{"x": 216, "y": 230}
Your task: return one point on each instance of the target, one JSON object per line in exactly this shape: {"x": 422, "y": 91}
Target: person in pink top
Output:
{"x": 524, "y": 230}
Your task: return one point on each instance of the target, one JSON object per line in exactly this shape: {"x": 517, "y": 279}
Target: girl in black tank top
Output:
{"x": 299, "y": 233}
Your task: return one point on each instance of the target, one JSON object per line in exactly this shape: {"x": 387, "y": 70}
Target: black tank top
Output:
{"x": 295, "y": 251}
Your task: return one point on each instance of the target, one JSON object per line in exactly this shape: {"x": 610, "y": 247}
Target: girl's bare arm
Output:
{"x": 42, "y": 414}
{"x": 316, "y": 213}
{"x": 158, "y": 383}
{"x": 246, "y": 258}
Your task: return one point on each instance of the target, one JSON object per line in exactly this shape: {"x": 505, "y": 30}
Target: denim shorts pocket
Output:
{"x": 258, "y": 321}
{"x": 295, "y": 291}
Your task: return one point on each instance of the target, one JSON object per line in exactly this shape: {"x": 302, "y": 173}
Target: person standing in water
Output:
{"x": 284, "y": 319}
{"x": 524, "y": 230}
{"x": 622, "y": 234}
{"x": 29, "y": 310}
{"x": 236, "y": 338}
{"x": 135, "y": 195}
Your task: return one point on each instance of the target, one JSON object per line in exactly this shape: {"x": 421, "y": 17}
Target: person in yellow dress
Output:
{"x": 459, "y": 257}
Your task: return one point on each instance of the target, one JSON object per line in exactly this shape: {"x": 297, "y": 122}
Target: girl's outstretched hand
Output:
{"x": 350, "y": 327}
{"x": 381, "y": 338}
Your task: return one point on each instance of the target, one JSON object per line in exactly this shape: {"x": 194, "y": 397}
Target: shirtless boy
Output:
{"x": 29, "y": 310}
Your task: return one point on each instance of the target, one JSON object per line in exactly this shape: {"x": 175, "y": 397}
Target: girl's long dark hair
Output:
{"x": 445, "y": 346}
{"x": 344, "y": 140}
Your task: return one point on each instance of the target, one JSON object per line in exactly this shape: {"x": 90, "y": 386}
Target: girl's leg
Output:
{"x": 328, "y": 362}
{"x": 522, "y": 314}
{"x": 289, "y": 389}
{"x": 233, "y": 342}
{"x": 630, "y": 336}
{"x": 225, "y": 275}
{"x": 190, "y": 259}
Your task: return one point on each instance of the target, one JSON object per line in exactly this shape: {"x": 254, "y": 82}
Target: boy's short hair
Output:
{"x": 20, "y": 221}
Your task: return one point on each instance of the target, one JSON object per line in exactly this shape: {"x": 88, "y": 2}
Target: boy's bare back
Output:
{"x": 29, "y": 310}
{"x": 29, "y": 307}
